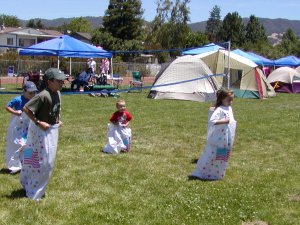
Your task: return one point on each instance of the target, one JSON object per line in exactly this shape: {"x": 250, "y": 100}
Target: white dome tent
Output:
{"x": 190, "y": 74}
{"x": 285, "y": 79}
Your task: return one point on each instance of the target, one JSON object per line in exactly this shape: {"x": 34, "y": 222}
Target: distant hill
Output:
{"x": 271, "y": 25}
{"x": 95, "y": 21}
{"x": 199, "y": 26}
{"x": 274, "y": 27}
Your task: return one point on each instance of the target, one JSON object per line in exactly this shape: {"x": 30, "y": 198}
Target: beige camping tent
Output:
{"x": 247, "y": 80}
{"x": 186, "y": 78}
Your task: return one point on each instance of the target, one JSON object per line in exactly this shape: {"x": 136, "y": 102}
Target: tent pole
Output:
{"x": 263, "y": 70}
{"x": 70, "y": 70}
{"x": 57, "y": 62}
{"x": 228, "y": 75}
{"x": 112, "y": 72}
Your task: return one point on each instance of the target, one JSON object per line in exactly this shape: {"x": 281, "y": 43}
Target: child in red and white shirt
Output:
{"x": 121, "y": 116}
{"x": 119, "y": 134}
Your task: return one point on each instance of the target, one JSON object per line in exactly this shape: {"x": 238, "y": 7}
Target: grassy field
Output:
{"x": 150, "y": 184}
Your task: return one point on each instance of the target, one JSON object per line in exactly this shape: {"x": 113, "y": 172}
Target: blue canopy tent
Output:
{"x": 257, "y": 59}
{"x": 206, "y": 48}
{"x": 65, "y": 46}
{"x": 246, "y": 55}
{"x": 265, "y": 61}
{"x": 287, "y": 61}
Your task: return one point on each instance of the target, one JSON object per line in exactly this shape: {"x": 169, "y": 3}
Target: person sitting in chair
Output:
{"x": 101, "y": 79}
{"x": 82, "y": 80}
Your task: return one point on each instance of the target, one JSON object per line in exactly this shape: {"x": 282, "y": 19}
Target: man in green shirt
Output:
{"x": 40, "y": 150}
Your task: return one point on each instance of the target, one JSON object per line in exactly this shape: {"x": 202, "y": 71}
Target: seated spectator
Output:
{"x": 33, "y": 77}
{"x": 82, "y": 80}
{"x": 101, "y": 79}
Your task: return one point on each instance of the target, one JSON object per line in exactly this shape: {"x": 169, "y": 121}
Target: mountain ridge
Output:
{"x": 271, "y": 26}
{"x": 278, "y": 25}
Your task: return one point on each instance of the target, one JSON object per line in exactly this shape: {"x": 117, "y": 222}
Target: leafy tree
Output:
{"x": 255, "y": 31}
{"x": 180, "y": 12}
{"x": 122, "y": 27}
{"x": 196, "y": 39}
{"x": 289, "y": 36}
{"x": 297, "y": 51}
{"x": 9, "y": 21}
{"x": 123, "y": 19}
{"x": 214, "y": 24}
{"x": 105, "y": 40}
{"x": 178, "y": 23}
{"x": 155, "y": 28}
{"x": 163, "y": 11}
{"x": 39, "y": 24}
{"x": 269, "y": 51}
{"x": 79, "y": 24}
{"x": 233, "y": 29}
{"x": 63, "y": 28}
{"x": 262, "y": 48}
{"x": 108, "y": 42}
{"x": 30, "y": 23}
{"x": 290, "y": 44}
{"x": 169, "y": 28}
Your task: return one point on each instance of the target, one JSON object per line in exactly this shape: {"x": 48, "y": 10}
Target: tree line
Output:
{"x": 124, "y": 28}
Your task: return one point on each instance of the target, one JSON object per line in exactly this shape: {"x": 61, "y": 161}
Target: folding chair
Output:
{"x": 136, "y": 80}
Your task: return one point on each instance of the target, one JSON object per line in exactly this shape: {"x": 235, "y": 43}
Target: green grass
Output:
{"x": 150, "y": 184}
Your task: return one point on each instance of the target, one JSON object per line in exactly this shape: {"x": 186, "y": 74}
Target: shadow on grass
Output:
{"x": 194, "y": 161}
{"x": 4, "y": 171}
{"x": 20, "y": 193}
{"x": 191, "y": 177}
{"x": 7, "y": 171}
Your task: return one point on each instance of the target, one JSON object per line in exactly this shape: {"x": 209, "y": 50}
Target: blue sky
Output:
{"x": 51, "y": 9}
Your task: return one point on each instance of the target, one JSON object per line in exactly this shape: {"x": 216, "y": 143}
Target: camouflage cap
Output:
{"x": 54, "y": 73}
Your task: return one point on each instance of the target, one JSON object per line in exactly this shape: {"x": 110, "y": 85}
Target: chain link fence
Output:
{"x": 123, "y": 69}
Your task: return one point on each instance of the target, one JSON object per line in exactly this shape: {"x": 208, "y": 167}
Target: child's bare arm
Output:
{"x": 43, "y": 125}
{"x": 222, "y": 121}
{"x": 12, "y": 111}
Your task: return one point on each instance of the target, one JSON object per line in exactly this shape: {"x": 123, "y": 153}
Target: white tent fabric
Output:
{"x": 285, "y": 79}
{"x": 298, "y": 69}
{"x": 182, "y": 69}
{"x": 284, "y": 74}
{"x": 246, "y": 78}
